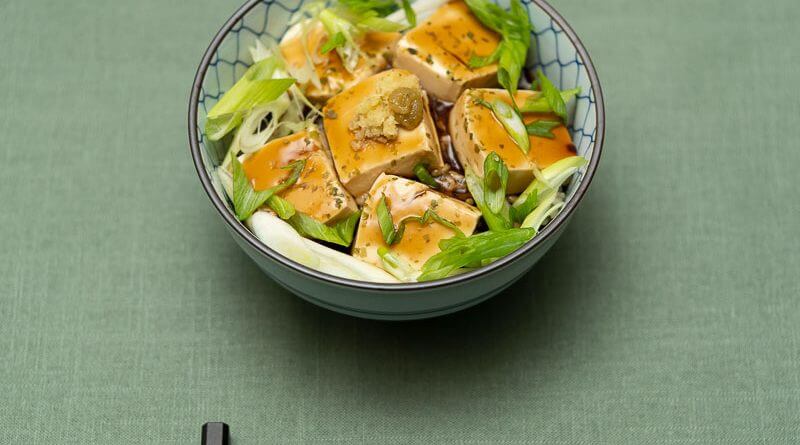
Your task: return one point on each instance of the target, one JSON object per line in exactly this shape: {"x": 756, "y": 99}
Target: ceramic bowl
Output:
{"x": 558, "y": 51}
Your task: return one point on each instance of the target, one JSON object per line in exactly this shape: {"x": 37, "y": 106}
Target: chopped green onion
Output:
{"x": 396, "y": 265}
{"x": 514, "y": 27}
{"x": 542, "y": 128}
{"x": 525, "y": 206}
{"x": 495, "y": 221}
{"x": 388, "y": 230}
{"x": 256, "y": 87}
{"x": 393, "y": 234}
{"x": 334, "y": 24}
{"x": 513, "y": 124}
{"x": 424, "y": 176}
{"x": 510, "y": 120}
{"x": 553, "y": 177}
{"x": 495, "y": 180}
{"x": 347, "y": 227}
{"x": 380, "y": 7}
{"x": 499, "y": 220}
{"x": 425, "y": 219}
{"x": 552, "y": 95}
{"x": 341, "y": 233}
{"x": 283, "y": 208}
{"x": 311, "y": 228}
{"x": 375, "y": 23}
{"x": 476, "y": 61}
{"x": 252, "y": 134}
{"x": 346, "y": 24}
{"x": 548, "y": 208}
{"x": 411, "y": 16}
{"x": 334, "y": 42}
{"x": 538, "y": 103}
{"x": 246, "y": 200}
{"x": 475, "y": 250}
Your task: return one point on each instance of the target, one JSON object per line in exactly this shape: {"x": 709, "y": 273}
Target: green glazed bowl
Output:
{"x": 557, "y": 50}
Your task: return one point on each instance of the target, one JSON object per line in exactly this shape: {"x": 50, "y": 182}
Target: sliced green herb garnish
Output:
{"x": 514, "y": 27}
{"x": 347, "y": 227}
{"x": 351, "y": 21}
{"x": 246, "y": 200}
{"x": 372, "y": 22}
{"x": 393, "y": 234}
{"x": 475, "y": 250}
{"x": 411, "y": 16}
{"x": 496, "y": 220}
{"x": 547, "y": 208}
{"x": 340, "y": 233}
{"x": 495, "y": 180}
{"x": 424, "y": 176}
{"x": 380, "y": 7}
{"x": 510, "y": 120}
{"x": 552, "y": 95}
{"x": 539, "y": 190}
{"x": 385, "y": 221}
{"x": 334, "y": 42}
{"x": 523, "y": 206}
{"x": 396, "y": 265}
{"x": 256, "y": 87}
{"x": 538, "y": 103}
{"x": 311, "y": 228}
{"x": 283, "y": 208}
{"x": 426, "y": 218}
{"x": 542, "y": 128}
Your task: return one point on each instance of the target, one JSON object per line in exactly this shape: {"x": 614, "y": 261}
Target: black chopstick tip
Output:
{"x": 215, "y": 433}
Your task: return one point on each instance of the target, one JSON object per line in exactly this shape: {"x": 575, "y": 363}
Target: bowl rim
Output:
{"x": 527, "y": 248}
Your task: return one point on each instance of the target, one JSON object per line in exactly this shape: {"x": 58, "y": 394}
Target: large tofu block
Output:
{"x": 410, "y": 198}
{"x": 359, "y": 161}
{"x": 375, "y": 47}
{"x": 317, "y": 191}
{"x": 476, "y": 132}
{"x": 438, "y": 52}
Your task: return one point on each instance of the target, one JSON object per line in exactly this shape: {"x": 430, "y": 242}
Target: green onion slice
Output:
{"x": 396, "y": 265}
{"x": 476, "y": 250}
{"x": 393, "y": 234}
{"x": 424, "y": 176}
{"x": 246, "y": 200}
{"x": 256, "y": 87}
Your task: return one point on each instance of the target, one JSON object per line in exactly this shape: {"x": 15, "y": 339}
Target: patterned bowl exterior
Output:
{"x": 557, "y": 51}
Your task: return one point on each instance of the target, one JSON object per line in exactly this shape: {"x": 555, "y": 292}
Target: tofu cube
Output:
{"x": 334, "y": 78}
{"x": 410, "y": 198}
{"x": 438, "y": 52}
{"x": 317, "y": 191}
{"x": 476, "y": 132}
{"x": 360, "y": 158}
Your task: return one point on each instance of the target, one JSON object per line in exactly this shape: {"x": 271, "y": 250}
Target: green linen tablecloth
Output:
{"x": 667, "y": 314}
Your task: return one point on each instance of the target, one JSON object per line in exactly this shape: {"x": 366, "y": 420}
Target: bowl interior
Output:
{"x": 555, "y": 51}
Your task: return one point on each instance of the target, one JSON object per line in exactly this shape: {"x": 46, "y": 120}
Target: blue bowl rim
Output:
{"x": 259, "y": 246}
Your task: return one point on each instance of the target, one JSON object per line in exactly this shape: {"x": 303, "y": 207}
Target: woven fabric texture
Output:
{"x": 668, "y": 313}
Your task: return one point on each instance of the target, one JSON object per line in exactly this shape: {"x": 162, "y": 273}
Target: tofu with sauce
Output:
{"x": 376, "y": 48}
{"x": 317, "y": 191}
{"x": 476, "y": 132}
{"x": 410, "y": 198}
{"x": 439, "y": 49}
{"x": 367, "y": 135}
